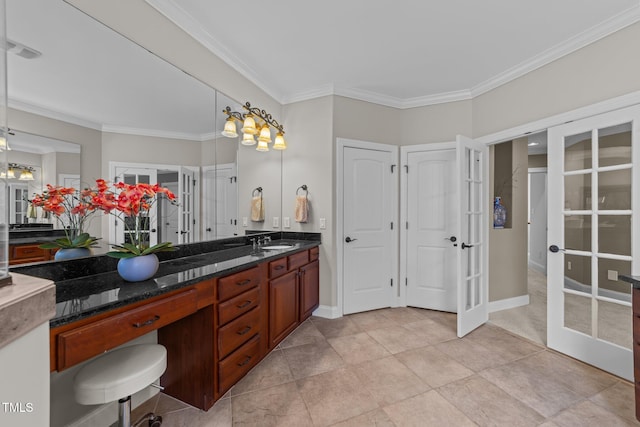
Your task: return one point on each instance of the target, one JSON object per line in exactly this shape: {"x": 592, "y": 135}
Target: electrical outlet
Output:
{"x": 286, "y": 222}
{"x": 612, "y": 275}
{"x": 276, "y": 222}
{"x": 245, "y": 221}
{"x": 568, "y": 265}
{"x": 323, "y": 223}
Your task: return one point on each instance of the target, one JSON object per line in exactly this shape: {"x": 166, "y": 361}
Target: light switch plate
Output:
{"x": 276, "y": 222}
{"x": 245, "y": 221}
{"x": 612, "y": 274}
{"x": 323, "y": 223}
{"x": 286, "y": 222}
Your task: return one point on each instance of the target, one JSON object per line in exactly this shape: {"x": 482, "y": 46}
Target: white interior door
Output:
{"x": 169, "y": 214}
{"x": 537, "y": 229}
{"x": 369, "y": 238}
{"x": 121, "y": 234}
{"x": 593, "y": 216}
{"x": 226, "y": 200}
{"x": 473, "y": 293}
{"x": 187, "y": 196}
{"x": 431, "y": 227}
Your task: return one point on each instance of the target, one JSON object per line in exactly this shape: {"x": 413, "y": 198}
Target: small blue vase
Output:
{"x": 71, "y": 253}
{"x": 138, "y": 268}
{"x": 499, "y": 213}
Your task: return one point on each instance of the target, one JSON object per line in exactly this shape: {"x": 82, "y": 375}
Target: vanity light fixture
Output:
{"x": 254, "y": 122}
{"x": 26, "y": 172}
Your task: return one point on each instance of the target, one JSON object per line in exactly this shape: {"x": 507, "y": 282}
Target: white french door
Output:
{"x": 430, "y": 250}
{"x": 121, "y": 233}
{"x": 369, "y": 212}
{"x": 593, "y": 215}
{"x": 473, "y": 292}
{"x": 187, "y": 198}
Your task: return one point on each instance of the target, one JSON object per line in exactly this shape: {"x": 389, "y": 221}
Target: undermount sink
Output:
{"x": 276, "y": 247}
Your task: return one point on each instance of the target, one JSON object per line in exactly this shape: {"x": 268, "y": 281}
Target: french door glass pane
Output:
{"x": 615, "y": 323}
{"x": 614, "y": 190}
{"x": 614, "y": 234}
{"x": 577, "y": 154}
{"x": 577, "y": 313}
{"x": 577, "y": 273}
{"x": 612, "y": 287}
{"x": 614, "y": 145}
{"x": 577, "y": 192}
{"x": 577, "y": 232}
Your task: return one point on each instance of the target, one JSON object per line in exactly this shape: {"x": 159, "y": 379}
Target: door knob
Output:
{"x": 464, "y": 245}
{"x": 555, "y": 249}
{"x": 349, "y": 239}
{"x": 452, "y": 239}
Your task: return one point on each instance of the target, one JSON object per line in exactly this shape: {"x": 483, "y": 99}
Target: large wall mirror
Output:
{"x": 129, "y": 113}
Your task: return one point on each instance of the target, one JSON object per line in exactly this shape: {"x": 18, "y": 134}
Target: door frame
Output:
{"x": 341, "y": 144}
{"x": 404, "y": 214}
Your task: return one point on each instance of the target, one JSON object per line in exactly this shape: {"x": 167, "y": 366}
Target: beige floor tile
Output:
{"x": 587, "y": 414}
{"x": 429, "y": 409}
{"x": 358, "y": 348}
{"x": 397, "y": 339}
{"x": 619, "y": 399}
{"x": 280, "y": 405}
{"x": 488, "y": 405}
{"x": 220, "y": 415}
{"x": 370, "y": 320}
{"x": 272, "y": 370}
{"x": 431, "y": 332}
{"x": 433, "y": 366}
{"x": 388, "y": 380}
{"x": 312, "y": 359}
{"x": 336, "y": 327}
{"x": 306, "y": 333}
{"x": 335, "y": 396}
{"x": 471, "y": 354}
{"x": 546, "y": 394}
{"x": 501, "y": 342}
{"x": 402, "y": 315}
{"x": 377, "y": 418}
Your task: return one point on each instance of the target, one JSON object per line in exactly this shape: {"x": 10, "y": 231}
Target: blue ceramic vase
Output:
{"x": 63, "y": 254}
{"x": 138, "y": 268}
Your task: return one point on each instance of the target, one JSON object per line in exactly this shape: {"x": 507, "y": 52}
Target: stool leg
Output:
{"x": 124, "y": 412}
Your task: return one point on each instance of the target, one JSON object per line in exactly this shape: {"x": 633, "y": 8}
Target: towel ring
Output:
{"x": 259, "y": 190}
{"x": 304, "y": 188}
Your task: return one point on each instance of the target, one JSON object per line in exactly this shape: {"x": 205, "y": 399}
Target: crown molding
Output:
{"x": 153, "y": 133}
{"x": 593, "y": 34}
{"x": 32, "y": 108}
{"x": 183, "y": 20}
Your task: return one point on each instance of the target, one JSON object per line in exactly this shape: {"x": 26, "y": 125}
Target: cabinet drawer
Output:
{"x": 298, "y": 260}
{"x": 82, "y": 343}
{"x": 314, "y": 253}
{"x": 237, "y": 364}
{"x": 636, "y": 300}
{"x": 278, "y": 267}
{"x": 236, "y": 284}
{"x": 238, "y": 305}
{"x": 29, "y": 251}
{"x": 236, "y": 333}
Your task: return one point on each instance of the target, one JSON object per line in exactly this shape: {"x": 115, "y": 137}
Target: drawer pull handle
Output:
{"x": 244, "y": 304}
{"x": 279, "y": 267}
{"x": 244, "y": 282}
{"x": 245, "y": 361}
{"x": 244, "y": 331}
{"x": 148, "y": 322}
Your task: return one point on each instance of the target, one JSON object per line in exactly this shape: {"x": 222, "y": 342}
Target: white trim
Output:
{"x": 605, "y": 106}
{"x": 52, "y": 114}
{"x": 537, "y": 170}
{"x": 155, "y": 133}
{"x": 341, "y": 144}
{"x": 507, "y": 303}
{"x": 172, "y": 11}
{"x": 328, "y": 312}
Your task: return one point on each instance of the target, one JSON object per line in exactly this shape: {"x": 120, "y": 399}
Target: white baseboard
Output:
{"x": 538, "y": 267}
{"x": 327, "y": 311}
{"x": 507, "y": 303}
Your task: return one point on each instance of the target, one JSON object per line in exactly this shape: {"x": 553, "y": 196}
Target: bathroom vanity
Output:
{"x": 635, "y": 282}
{"x": 218, "y": 313}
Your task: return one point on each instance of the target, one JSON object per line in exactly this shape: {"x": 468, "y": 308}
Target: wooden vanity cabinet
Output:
{"x": 22, "y": 254}
{"x": 309, "y": 278}
{"x": 636, "y": 347}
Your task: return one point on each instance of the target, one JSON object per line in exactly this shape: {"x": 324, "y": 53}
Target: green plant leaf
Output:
{"x": 160, "y": 247}
{"x": 120, "y": 255}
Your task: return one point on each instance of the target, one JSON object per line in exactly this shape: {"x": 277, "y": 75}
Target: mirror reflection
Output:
{"x": 130, "y": 115}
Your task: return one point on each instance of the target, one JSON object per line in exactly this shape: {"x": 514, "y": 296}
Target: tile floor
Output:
{"x": 406, "y": 367}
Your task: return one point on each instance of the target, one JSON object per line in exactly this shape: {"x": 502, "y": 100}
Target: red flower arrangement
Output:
{"x": 73, "y": 209}
{"x": 132, "y": 205}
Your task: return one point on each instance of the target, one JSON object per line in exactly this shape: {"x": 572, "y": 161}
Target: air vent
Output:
{"x": 22, "y": 50}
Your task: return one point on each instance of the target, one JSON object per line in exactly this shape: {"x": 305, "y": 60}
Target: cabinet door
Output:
{"x": 309, "y": 289}
{"x": 283, "y": 306}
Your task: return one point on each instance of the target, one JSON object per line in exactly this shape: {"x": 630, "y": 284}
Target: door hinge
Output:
{"x": 406, "y": 281}
{"x": 392, "y": 225}
{"x": 392, "y": 283}
{"x": 406, "y": 168}
{"x": 392, "y": 167}
{"x": 406, "y": 226}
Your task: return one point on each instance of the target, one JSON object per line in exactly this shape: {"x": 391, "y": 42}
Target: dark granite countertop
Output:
{"x": 90, "y": 286}
{"x": 634, "y": 280}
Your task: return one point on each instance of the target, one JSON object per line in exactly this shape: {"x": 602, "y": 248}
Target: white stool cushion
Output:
{"x": 119, "y": 373}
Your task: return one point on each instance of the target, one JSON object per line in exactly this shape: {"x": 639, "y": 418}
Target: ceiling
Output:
{"x": 402, "y": 53}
